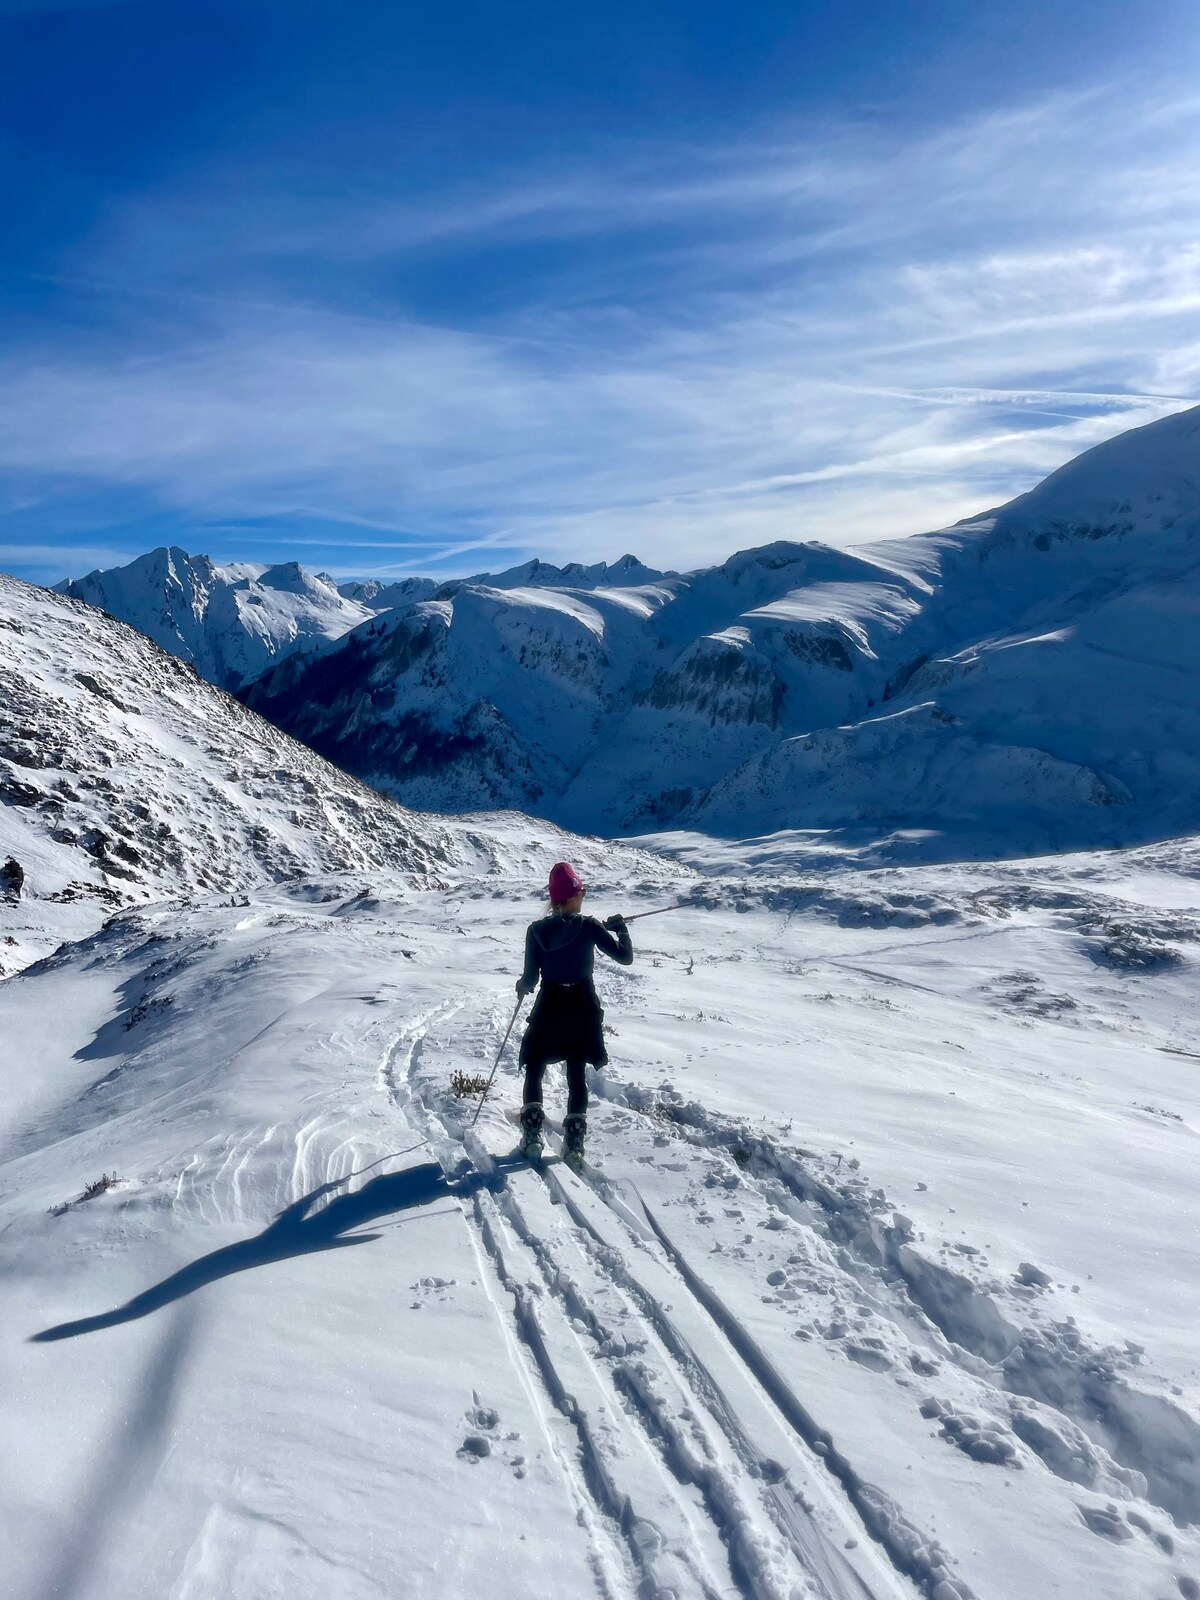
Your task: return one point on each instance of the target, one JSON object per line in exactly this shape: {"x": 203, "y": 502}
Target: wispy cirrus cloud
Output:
{"x": 831, "y": 334}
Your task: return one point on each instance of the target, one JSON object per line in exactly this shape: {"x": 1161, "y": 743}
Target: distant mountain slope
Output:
{"x": 377, "y": 596}
{"x": 123, "y": 776}
{"x": 1031, "y": 675}
{"x": 623, "y": 573}
{"x": 233, "y": 622}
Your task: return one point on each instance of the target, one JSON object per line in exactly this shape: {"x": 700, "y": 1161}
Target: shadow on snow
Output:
{"x": 297, "y": 1231}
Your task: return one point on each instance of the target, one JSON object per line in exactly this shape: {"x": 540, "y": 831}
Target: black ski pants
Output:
{"x": 577, "y": 1095}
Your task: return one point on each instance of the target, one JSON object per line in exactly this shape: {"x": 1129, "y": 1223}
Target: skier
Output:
{"x": 566, "y": 1024}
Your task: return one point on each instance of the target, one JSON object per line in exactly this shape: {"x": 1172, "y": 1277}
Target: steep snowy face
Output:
{"x": 489, "y": 699}
{"x": 1144, "y": 482}
{"x": 125, "y": 777}
{"x": 1046, "y": 691}
{"x": 234, "y": 623}
{"x": 609, "y": 706}
{"x": 388, "y": 701}
{"x": 231, "y": 623}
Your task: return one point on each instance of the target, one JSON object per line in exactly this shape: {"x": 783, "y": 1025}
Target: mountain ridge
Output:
{"x": 1031, "y": 660}
{"x": 230, "y": 622}
{"x": 235, "y": 621}
{"x": 1022, "y": 678}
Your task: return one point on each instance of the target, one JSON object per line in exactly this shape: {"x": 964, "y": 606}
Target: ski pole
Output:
{"x": 680, "y": 905}
{"x": 499, "y": 1053}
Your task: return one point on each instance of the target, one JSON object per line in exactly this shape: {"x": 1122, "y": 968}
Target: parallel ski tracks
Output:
{"x": 707, "y": 1478}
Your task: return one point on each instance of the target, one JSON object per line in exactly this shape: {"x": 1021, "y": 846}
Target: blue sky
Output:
{"x": 403, "y": 287}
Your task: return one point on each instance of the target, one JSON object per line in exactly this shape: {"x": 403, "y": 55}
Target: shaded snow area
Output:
{"x": 881, "y": 1280}
{"x": 1029, "y": 679}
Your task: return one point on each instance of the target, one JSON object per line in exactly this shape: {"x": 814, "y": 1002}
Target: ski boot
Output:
{"x": 574, "y": 1129}
{"x": 532, "y": 1117}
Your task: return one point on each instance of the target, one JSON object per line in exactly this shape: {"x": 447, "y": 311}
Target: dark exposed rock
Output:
{"x": 93, "y": 685}
{"x": 821, "y": 649}
{"x": 721, "y": 686}
{"x": 15, "y": 793}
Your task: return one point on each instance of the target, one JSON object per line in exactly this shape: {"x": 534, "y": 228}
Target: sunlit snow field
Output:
{"x": 882, "y": 1279}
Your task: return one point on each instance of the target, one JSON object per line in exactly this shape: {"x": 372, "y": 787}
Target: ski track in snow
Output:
{"x": 760, "y": 1512}
{"x": 701, "y": 1453}
{"x": 579, "y": 1278}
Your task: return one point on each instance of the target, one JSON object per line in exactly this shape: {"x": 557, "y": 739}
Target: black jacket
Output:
{"x": 562, "y": 949}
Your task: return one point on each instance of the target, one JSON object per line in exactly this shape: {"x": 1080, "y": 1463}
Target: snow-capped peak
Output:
{"x": 230, "y": 622}
{"x": 1027, "y": 678}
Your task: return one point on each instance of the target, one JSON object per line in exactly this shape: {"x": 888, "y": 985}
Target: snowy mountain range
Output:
{"x": 234, "y": 622}
{"x": 280, "y": 1315}
{"x": 125, "y": 777}
{"x": 1027, "y": 679}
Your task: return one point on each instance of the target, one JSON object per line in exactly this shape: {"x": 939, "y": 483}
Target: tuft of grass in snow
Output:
{"x": 98, "y": 1186}
{"x": 468, "y": 1086}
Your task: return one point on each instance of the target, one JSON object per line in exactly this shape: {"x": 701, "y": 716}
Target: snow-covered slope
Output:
{"x": 124, "y": 776}
{"x": 881, "y": 1284}
{"x": 233, "y": 622}
{"x": 377, "y": 596}
{"x": 1026, "y": 680}
{"x": 1047, "y": 689}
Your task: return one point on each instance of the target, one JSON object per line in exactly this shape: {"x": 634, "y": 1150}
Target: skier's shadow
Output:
{"x": 298, "y": 1231}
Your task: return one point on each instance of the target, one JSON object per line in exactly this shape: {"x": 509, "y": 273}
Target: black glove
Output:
{"x": 616, "y": 923}
{"x": 524, "y": 988}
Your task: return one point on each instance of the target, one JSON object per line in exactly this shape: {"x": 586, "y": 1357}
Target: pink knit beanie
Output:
{"x": 565, "y": 883}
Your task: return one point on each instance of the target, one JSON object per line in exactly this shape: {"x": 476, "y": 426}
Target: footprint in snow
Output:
{"x": 484, "y": 1439}
{"x": 1106, "y": 1521}
{"x": 870, "y": 1353}
{"x": 1164, "y": 1541}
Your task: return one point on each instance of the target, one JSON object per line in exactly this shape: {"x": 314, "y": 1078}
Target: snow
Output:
{"x": 125, "y": 778}
{"x": 787, "y": 1335}
{"x": 625, "y": 572}
{"x": 852, "y": 605}
{"x": 1037, "y": 665}
{"x": 233, "y": 622}
{"x": 882, "y": 1278}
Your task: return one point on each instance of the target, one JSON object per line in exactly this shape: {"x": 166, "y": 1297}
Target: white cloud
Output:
{"x": 834, "y": 337}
